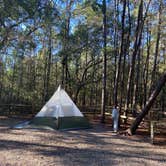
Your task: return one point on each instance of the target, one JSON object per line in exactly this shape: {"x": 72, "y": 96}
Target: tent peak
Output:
{"x": 59, "y": 88}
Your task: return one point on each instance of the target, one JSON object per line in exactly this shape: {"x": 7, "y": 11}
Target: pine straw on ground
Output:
{"x": 98, "y": 146}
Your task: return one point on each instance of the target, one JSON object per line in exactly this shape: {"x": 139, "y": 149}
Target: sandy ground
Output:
{"x": 98, "y": 146}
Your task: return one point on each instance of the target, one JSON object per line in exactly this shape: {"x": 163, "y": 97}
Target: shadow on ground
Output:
{"x": 97, "y": 146}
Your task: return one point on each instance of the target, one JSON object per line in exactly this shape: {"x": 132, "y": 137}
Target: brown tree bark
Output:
{"x": 44, "y": 72}
{"x": 66, "y": 48}
{"x": 116, "y": 14}
{"x": 13, "y": 82}
{"x": 157, "y": 47}
{"x": 149, "y": 104}
{"x": 103, "y": 100}
{"x": 20, "y": 76}
{"x": 146, "y": 68}
{"x": 118, "y": 71}
{"x": 136, "y": 84}
{"x": 137, "y": 43}
{"x": 1, "y": 79}
{"x": 48, "y": 63}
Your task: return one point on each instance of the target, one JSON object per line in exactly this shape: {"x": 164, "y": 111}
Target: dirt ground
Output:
{"x": 98, "y": 146}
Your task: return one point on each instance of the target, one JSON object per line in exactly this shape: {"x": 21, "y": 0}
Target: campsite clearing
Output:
{"x": 98, "y": 146}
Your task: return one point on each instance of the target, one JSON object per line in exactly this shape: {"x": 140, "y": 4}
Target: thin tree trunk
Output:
{"x": 136, "y": 84}
{"x": 84, "y": 97}
{"x": 20, "y": 78}
{"x": 126, "y": 50}
{"x": 146, "y": 68}
{"x": 163, "y": 100}
{"x": 1, "y": 80}
{"x": 45, "y": 74}
{"x": 65, "y": 70}
{"x": 118, "y": 71}
{"x": 56, "y": 73}
{"x": 48, "y": 64}
{"x": 13, "y": 77}
{"x": 78, "y": 88}
{"x": 116, "y": 14}
{"x": 103, "y": 100}
{"x": 76, "y": 75}
{"x": 157, "y": 47}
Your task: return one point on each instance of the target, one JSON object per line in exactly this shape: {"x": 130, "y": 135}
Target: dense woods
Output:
{"x": 104, "y": 53}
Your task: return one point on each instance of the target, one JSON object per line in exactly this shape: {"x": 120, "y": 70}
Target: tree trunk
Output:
{"x": 77, "y": 93}
{"x": 56, "y": 74}
{"x": 84, "y": 97}
{"x": 13, "y": 82}
{"x": 126, "y": 51}
{"x": 48, "y": 64}
{"x": 146, "y": 68}
{"x": 44, "y": 74}
{"x": 149, "y": 104}
{"x": 115, "y": 42}
{"x": 1, "y": 80}
{"x": 163, "y": 100}
{"x": 136, "y": 84}
{"x": 157, "y": 47}
{"x": 66, "y": 48}
{"x": 103, "y": 101}
{"x": 20, "y": 77}
{"x": 117, "y": 78}
{"x": 137, "y": 43}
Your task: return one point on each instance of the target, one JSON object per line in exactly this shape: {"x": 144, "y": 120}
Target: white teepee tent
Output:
{"x": 60, "y": 112}
{"x": 59, "y": 105}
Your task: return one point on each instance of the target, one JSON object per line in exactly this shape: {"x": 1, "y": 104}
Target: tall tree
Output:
{"x": 103, "y": 99}
{"x": 137, "y": 43}
{"x": 49, "y": 52}
{"x": 118, "y": 71}
{"x": 146, "y": 66}
{"x": 156, "y": 56}
{"x": 66, "y": 30}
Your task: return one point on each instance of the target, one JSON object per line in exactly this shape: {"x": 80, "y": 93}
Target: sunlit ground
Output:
{"x": 98, "y": 146}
